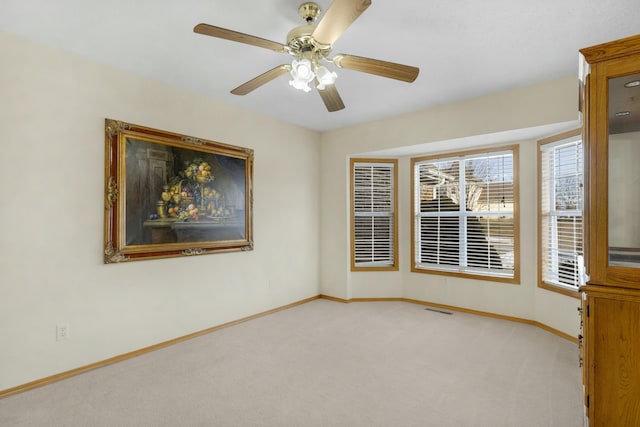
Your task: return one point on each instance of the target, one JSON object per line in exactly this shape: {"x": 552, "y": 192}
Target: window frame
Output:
{"x": 416, "y": 268}
{"x": 354, "y": 161}
{"x": 555, "y": 139}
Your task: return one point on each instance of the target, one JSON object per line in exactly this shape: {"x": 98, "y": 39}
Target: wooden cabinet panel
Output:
{"x": 616, "y": 361}
{"x": 611, "y": 133}
{"x": 611, "y": 298}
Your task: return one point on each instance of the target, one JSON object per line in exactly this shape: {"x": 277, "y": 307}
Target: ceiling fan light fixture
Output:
{"x": 301, "y": 74}
{"x": 300, "y": 85}
{"x": 301, "y": 69}
{"x": 309, "y": 44}
{"x": 325, "y": 77}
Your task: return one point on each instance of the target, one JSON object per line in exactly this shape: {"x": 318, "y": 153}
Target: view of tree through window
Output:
{"x": 561, "y": 200}
{"x": 464, "y": 213}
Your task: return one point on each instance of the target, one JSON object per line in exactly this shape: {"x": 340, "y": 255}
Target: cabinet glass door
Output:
{"x": 624, "y": 171}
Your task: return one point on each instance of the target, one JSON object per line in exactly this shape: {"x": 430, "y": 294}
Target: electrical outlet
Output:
{"x": 62, "y": 332}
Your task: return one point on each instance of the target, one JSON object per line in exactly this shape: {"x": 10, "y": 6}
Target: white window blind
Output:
{"x": 465, "y": 214}
{"x": 373, "y": 209}
{"x": 561, "y": 204}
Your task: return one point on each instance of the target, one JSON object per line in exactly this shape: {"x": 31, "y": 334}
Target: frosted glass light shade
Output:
{"x": 325, "y": 77}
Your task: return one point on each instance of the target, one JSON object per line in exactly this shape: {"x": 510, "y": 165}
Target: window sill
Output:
{"x": 468, "y": 275}
{"x": 559, "y": 289}
{"x": 375, "y": 268}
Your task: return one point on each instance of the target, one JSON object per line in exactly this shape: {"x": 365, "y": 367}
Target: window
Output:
{"x": 374, "y": 225}
{"x": 560, "y": 162}
{"x": 465, "y": 220}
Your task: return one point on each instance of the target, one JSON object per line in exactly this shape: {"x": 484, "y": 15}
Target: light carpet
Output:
{"x": 329, "y": 364}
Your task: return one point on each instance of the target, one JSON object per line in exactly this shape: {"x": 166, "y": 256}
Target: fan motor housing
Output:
{"x": 300, "y": 40}
{"x": 309, "y": 11}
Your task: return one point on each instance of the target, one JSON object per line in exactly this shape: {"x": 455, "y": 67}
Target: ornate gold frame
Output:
{"x": 178, "y": 196}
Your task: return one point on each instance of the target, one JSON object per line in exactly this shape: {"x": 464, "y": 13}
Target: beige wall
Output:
{"x": 52, "y": 112}
{"x": 51, "y": 168}
{"x": 517, "y": 116}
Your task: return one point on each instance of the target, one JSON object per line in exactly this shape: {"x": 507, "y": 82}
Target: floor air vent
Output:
{"x": 438, "y": 311}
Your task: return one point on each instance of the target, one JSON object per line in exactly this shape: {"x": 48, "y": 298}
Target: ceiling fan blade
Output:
{"x": 263, "y": 78}
{"x": 223, "y": 33}
{"x": 337, "y": 18}
{"x": 391, "y": 70}
{"x": 331, "y": 98}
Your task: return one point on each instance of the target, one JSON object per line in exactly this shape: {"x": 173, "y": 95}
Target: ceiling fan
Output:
{"x": 310, "y": 45}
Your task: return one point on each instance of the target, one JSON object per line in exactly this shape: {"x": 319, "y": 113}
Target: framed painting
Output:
{"x": 171, "y": 195}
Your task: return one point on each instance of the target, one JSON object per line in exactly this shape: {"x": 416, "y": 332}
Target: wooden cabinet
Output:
{"x": 611, "y": 297}
{"x": 611, "y": 356}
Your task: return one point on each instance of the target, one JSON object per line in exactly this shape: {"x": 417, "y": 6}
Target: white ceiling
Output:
{"x": 464, "y": 48}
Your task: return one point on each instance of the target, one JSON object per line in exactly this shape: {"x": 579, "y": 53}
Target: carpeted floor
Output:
{"x": 329, "y": 364}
